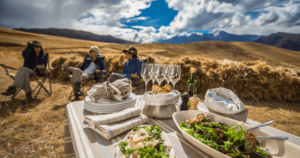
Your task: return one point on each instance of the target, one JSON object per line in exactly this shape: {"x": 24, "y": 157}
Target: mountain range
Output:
{"x": 77, "y": 34}
{"x": 217, "y": 35}
{"x": 282, "y": 40}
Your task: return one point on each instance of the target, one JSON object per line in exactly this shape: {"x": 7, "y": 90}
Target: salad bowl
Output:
{"x": 277, "y": 148}
{"x": 164, "y": 136}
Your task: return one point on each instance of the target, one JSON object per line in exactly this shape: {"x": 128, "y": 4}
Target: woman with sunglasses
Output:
{"x": 92, "y": 63}
{"x": 33, "y": 56}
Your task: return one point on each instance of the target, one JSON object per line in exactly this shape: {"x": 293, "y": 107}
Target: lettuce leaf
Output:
{"x": 122, "y": 145}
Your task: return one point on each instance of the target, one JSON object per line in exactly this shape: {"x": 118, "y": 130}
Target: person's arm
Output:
{"x": 101, "y": 65}
{"x": 138, "y": 69}
{"x": 124, "y": 72}
{"x": 84, "y": 60}
{"x": 26, "y": 54}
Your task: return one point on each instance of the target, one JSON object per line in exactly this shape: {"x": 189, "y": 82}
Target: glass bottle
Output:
{"x": 192, "y": 83}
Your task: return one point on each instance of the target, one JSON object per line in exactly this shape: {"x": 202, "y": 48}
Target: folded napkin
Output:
{"x": 117, "y": 90}
{"x": 96, "y": 120}
{"x": 112, "y": 130}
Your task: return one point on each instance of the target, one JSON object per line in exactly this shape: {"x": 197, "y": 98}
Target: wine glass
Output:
{"x": 174, "y": 74}
{"x": 166, "y": 74}
{"x": 146, "y": 73}
{"x": 159, "y": 73}
{"x": 152, "y": 74}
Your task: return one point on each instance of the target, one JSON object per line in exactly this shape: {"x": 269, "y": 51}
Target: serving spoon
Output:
{"x": 274, "y": 137}
{"x": 261, "y": 125}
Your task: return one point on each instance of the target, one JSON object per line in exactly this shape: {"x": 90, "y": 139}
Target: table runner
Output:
{"x": 80, "y": 141}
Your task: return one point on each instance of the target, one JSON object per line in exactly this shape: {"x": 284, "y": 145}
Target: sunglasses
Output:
{"x": 37, "y": 46}
{"x": 91, "y": 51}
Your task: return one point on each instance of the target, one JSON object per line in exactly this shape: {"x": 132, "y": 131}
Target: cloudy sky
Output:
{"x": 148, "y": 21}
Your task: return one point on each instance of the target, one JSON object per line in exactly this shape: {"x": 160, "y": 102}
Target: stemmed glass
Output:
{"x": 174, "y": 74}
{"x": 166, "y": 74}
{"x": 146, "y": 73}
{"x": 159, "y": 73}
{"x": 152, "y": 74}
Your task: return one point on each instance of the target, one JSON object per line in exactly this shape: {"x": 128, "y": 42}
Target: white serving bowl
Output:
{"x": 277, "y": 148}
{"x": 163, "y": 135}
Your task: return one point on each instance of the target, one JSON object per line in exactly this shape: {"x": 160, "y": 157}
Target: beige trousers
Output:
{"x": 22, "y": 79}
{"x": 78, "y": 76}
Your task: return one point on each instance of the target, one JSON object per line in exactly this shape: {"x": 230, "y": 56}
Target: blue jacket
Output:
{"x": 30, "y": 58}
{"x": 132, "y": 66}
{"x": 99, "y": 62}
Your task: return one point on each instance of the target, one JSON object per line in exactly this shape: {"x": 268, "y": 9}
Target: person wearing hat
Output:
{"x": 33, "y": 57}
{"x": 92, "y": 63}
{"x": 132, "y": 68}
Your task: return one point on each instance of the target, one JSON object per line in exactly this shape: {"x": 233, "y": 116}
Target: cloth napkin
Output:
{"x": 96, "y": 120}
{"x": 112, "y": 130}
{"x": 117, "y": 90}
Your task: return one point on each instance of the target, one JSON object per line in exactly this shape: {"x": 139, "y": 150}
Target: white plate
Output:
{"x": 163, "y": 135}
{"x": 277, "y": 148}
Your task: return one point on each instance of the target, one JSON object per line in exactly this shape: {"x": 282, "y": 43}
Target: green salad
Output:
{"x": 232, "y": 141}
{"x": 145, "y": 142}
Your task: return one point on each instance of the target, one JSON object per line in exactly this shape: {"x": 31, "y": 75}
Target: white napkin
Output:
{"x": 118, "y": 90}
{"x": 112, "y": 130}
{"x": 96, "y": 120}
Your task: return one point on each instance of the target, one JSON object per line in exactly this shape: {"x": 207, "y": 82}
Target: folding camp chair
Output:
{"x": 91, "y": 78}
{"x": 41, "y": 79}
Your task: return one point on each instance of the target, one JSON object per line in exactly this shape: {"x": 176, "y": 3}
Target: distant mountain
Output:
{"x": 77, "y": 35}
{"x": 282, "y": 40}
{"x": 217, "y": 35}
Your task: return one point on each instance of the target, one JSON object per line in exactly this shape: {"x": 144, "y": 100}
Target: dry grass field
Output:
{"x": 36, "y": 129}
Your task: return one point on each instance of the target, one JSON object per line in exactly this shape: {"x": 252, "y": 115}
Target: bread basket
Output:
{"x": 160, "y": 106}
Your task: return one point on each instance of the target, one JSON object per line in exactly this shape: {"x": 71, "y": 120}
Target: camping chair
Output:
{"x": 40, "y": 79}
{"x": 91, "y": 78}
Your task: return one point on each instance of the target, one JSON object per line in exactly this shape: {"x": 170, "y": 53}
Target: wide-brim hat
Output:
{"x": 131, "y": 49}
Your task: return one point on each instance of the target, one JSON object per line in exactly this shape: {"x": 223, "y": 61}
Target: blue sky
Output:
{"x": 147, "y": 21}
{"x": 158, "y": 14}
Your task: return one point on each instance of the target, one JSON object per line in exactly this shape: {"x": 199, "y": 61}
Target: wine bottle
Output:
{"x": 192, "y": 83}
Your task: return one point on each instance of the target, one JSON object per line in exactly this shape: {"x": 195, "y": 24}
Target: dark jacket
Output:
{"x": 99, "y": 62}
{"x": 30, "y": 58}
{"x": 132, "y": 66}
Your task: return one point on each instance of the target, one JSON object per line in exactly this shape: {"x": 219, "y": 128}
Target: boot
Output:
{"x": 10, "y": 91}
{"x": 77, "y": 88}
{"x": 77, "y": 97}
{"x": 29, "y": 97}
{"x": 77, "y": 92}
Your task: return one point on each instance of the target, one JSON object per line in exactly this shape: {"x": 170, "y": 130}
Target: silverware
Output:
{"x": 261, "y": 125}
{"x": 274, "y": 137}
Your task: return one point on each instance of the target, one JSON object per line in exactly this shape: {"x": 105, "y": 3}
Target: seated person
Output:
{"x": 33, "y": 56}
{"x": 91, "y": 63}
{"x": 132, "y": 68}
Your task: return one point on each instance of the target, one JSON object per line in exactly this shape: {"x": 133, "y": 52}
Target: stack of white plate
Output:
{"x": 105, "y": 106}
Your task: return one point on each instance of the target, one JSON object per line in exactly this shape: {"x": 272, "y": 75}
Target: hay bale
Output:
{"x": 253, "y": 80}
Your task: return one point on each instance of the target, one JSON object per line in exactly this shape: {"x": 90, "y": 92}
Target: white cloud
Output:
{"x": 136, "y": 19}
{"x": 106, "y": 16}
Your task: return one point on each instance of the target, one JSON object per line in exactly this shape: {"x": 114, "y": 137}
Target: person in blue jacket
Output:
{"x": 132, "y": 68}
{"x": 33, "y": 57}
{"x": 92, "y": 63}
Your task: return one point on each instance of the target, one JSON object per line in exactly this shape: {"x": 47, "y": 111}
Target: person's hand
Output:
{"x": 98, "y": 71}
{"x": 134, "y": 76}
{"x": 39, "y": 66}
